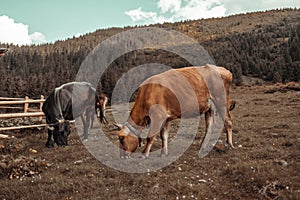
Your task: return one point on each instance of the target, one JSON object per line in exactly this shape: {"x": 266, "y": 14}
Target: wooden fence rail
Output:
{"x": 27, "y": 111}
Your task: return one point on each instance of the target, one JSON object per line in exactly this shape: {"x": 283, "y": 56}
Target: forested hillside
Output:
{"x": 262, "y": 44}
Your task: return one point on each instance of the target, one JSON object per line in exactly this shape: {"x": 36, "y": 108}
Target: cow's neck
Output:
{"x": 135, "y": 121}
{"x": 137, "y": 115}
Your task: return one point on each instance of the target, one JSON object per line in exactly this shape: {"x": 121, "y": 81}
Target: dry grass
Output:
{"x": 265, "y": 164}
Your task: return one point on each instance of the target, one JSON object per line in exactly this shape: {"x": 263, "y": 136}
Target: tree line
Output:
{"x": 267, "y": 51}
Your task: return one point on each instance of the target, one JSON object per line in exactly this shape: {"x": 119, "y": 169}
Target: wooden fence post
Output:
{"x": 26, "y": 104}
{"x": 41, "y": 106}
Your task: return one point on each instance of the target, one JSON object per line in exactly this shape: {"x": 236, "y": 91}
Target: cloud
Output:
{"x": 138, "y": 15}
{"x": 37, "y": 38}
{"x": 169, "y": 5}
{"x": 176, "y": 10}
{"x": 196, "y": 9}
{"x": 17, "y": 33}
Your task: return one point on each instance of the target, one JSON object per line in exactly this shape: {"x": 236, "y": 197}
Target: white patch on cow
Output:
{"x": 126, "y": 130}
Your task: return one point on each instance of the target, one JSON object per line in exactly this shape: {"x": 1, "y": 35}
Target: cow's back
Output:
{"x": 180, "y": 91}
{"x": 59, "y": 102}
{"x": 75, "y": 98}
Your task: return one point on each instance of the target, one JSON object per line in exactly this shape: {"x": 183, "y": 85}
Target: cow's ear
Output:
{"x": 119, "y": 126}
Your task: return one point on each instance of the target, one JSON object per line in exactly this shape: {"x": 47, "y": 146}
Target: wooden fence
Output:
{"x": 6, "y": 103}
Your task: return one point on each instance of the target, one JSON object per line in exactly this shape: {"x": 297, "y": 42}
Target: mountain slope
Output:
{"x": 260, "y": 44}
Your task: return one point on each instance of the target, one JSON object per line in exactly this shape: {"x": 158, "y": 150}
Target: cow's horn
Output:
{"x": 60, "y": 120}
{"x": 119, "y": 126}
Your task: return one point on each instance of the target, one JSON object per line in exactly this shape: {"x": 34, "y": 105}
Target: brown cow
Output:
{"x": 101, "y": 104}
{"x": 103, "y": 101}
{"x": 156, "y": 105}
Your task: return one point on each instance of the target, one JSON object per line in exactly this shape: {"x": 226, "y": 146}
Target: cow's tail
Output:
{"x": 232, "y": 105}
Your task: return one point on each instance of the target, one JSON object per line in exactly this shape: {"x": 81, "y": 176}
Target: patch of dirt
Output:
{"x": 18, "y": 122}
{"x": 264, "y": 165}
{"x": 251, "y": 81}
{"x": 21, "y": 167}
{"x": 291, "y": 86}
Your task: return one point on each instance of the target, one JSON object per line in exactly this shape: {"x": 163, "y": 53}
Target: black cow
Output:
{"x": 66, "y": 103}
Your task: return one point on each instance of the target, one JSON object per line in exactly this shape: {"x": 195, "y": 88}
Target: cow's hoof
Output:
{"x": 63, "y": 144}
{"x": 231, "y": 146}
{"x": 85, "y": 140}
{"x": 49, "y": 144}
{"x": 163, "y": 155}
{"x": 143, "y": 156}
{"x": 125, "y": 157}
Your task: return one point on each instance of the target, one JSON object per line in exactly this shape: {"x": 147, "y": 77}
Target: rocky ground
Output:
{"x": 264, "y": 165}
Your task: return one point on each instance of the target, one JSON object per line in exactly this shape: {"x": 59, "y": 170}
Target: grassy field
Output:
{"x": 264, "y": 165}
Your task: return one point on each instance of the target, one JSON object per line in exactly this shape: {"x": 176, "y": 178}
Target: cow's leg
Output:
{"x": 150, "y": 141}
{"x": 92, "y": 121}
{"x": 86, "y": 122}
{"x": 153, "y": 131}
{"x": 207, "y": 119}
{"x": 164, "y": 134}
{"x": 207, "y": 116}
{"x": 158, "y": 119}
{"x": 50, "y": 142}
{"x": 227, "y": 125}
{"x": 228, "y": 128}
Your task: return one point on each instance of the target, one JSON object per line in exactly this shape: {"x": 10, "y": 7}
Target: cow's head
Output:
{"x": 129, "y": 139}
{"x": 61, "y": 132}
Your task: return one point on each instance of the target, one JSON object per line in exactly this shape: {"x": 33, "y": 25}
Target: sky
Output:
{"x": 42, "y": 21}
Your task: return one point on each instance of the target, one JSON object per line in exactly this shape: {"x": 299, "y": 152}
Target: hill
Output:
{"x": 264, "y": 45}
